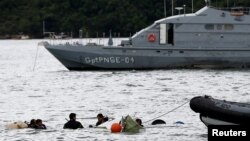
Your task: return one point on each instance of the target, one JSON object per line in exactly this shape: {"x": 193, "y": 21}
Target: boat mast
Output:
{"x": 208, "y": 2}
{"x": 43, "y": 27}
{"x": 165, "y": 9}
{"x": 45, "y": 32}
{"x": 192, "y": 6}
{"x": 172, "y": 7}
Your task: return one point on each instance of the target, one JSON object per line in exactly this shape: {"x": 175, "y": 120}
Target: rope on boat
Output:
{"x": 35, "y": 58}
{"x": 167, "y": 112}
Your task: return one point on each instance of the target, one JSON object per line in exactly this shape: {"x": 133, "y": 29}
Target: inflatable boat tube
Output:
{"x": 211, "y": 109}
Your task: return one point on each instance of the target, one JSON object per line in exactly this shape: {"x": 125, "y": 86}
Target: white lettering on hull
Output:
{"x": 108, "y": 60}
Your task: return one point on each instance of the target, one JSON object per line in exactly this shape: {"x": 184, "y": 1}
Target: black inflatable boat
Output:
{"x": 220, "y": 112}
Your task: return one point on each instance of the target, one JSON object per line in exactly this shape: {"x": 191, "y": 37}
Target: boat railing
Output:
{"x": 237, "y": 11}
{"x": 85, "y": 41}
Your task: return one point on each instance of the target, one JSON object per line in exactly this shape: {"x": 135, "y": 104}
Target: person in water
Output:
{"x": 32, "y": 123}
{"x": 39, "y": 124}
{"x": 72, "y": 123}
{"x": 158, "y": 121}
{"x": 101, "y": 119}
{"x": 139, "y": 122}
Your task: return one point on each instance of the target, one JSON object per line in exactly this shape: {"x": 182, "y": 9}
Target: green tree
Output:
{"x": 92, "y": 16}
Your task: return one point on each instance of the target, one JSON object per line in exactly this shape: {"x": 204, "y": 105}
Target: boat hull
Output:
{"x": 212, "y": 121}
{"x": 96, "y": 57}
{"x": 214, "y": 111}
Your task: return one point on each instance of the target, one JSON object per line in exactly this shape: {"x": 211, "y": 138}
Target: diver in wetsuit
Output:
{"x": 139, "y": 122}
{"x": 39, "y": 124}
{"x": 32, "y": 123}
{"x": 101, "y": 119}
{"x": 72, "y": 123}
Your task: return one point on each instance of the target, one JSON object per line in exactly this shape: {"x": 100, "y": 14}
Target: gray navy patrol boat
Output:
{"x": 211, "y": 37}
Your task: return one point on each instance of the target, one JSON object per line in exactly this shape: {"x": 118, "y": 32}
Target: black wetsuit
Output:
{"x": 101, "y": 122}
{"x": 40, "y": 126}
{"x": 31, "y": 126}
{"x": 35, "y": 126}
{"x": 72, "y": 124}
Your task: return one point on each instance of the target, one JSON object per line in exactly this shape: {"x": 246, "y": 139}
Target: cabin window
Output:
{"x": 219, "y": 27}
{"x": 228, "y": 27}
{"x": 163, "y": 34}
{"x": 209, "y": 27}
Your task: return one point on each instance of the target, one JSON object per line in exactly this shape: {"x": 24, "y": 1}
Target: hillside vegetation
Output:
{"x": 91, "y": 16}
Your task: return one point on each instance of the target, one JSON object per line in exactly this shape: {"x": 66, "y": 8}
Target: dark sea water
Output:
{"x": 45, "y": 89}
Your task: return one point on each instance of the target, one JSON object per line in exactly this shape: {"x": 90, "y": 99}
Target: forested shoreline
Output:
{"x": 93, "y": 17}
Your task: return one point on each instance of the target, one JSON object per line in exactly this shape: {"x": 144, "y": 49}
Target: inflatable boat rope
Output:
{"x": 167, "y": 112}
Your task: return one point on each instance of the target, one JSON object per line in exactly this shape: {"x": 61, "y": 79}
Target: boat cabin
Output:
{"x": 208, "y": 27}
